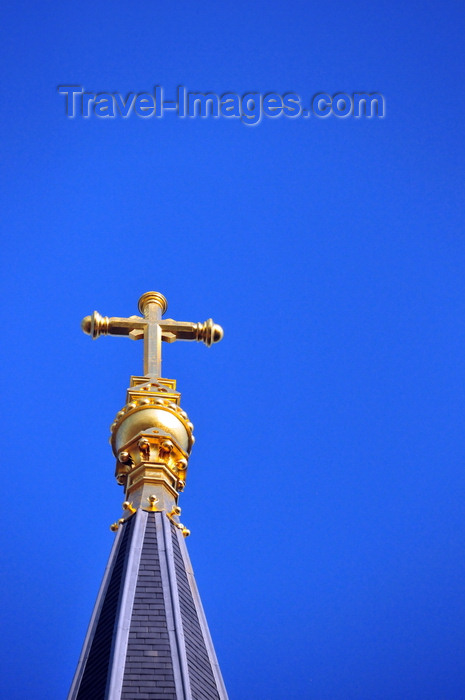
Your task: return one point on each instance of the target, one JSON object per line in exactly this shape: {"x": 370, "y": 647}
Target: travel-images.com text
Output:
{"x": 250, "y": 107}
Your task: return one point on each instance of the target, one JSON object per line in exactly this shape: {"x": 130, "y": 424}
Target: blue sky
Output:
{"x": 325, "y": 490}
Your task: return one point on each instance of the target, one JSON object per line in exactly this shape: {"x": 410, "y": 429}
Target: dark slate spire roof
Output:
{"x": 148, "y": 637}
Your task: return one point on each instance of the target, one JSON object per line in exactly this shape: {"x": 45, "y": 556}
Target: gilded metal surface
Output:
{"x": 154, "y": 297}
{"x": 128, "y": 506}
{"x": 152, "y": 436}
{"x": 144, "y": 417}
{"x": 153, "y": 500}
{"x": 175, "y": 512}
{"x": 152, "y": 328}
{"x": 114, "y": 526}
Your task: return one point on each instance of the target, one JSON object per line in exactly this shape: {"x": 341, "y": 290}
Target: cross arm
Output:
{"x": 96, "y": 325}
{"x": 134, "y": 327}
{"x": 207, "y": 332}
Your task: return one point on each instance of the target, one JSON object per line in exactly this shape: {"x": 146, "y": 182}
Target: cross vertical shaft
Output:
{"x": 152, "y": 341}
{"x": 152, "y": 305}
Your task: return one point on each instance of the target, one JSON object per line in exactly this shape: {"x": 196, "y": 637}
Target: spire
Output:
{"x": 148, "y": 636}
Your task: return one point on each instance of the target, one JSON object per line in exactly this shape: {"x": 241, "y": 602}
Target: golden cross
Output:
{"x": 152, "y": 328}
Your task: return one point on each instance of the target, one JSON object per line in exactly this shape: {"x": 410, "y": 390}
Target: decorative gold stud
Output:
{"x": 166, "y": 446}
{"x": 175, "y": 510}
{"x": 153, "y": 500}
{"x": 144, "y": 447}
{"x": 114, "y": 526}
{"x": 128, "y": 506}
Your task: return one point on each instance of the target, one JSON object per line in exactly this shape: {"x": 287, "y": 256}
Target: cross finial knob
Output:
{"x": 152, "y": 298}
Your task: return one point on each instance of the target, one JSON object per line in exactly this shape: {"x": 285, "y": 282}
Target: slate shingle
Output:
{"x": 149, "y": 630}
{"x": 203, "y": 683}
